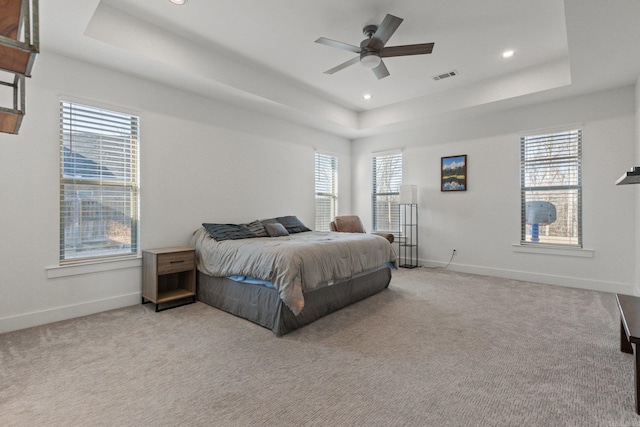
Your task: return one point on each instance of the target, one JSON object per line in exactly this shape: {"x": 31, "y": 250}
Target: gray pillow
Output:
{"x": 292, "y": 224}
{"x": 276, "y": 229}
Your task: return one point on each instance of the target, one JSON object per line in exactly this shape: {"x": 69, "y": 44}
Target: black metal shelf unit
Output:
{"x": 408, "y": 241}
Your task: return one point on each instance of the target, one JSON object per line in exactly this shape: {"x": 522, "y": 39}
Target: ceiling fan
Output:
{"x": 372, "y": 49}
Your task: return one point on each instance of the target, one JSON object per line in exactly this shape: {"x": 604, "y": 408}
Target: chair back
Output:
{"x": 353, "y": 224}
{"x": 349, "y": 224}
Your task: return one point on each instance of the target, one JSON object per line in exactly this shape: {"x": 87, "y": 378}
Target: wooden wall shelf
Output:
{"x": 19, "y": 39}
{"x": 11, "y": 118}
{"x": 19, "y": 45}
{"x": 16, "y": 59}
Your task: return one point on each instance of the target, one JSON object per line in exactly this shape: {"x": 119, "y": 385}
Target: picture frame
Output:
{"x": 453, "y": 173}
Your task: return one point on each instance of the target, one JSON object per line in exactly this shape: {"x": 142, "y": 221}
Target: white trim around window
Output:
{"x": 99, "y": 183}
{"x": 326, "y": 189}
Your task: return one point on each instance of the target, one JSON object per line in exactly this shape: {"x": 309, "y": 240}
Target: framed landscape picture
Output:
{"x": 453, "y": 173}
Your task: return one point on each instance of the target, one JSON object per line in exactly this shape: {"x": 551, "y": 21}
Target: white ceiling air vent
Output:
{"x": 445, "y": 75}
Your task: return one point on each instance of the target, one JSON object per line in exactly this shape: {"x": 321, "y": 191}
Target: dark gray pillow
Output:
{"x": 222, "y": 232}
{"x": 276, "y": 229}
{"x": 292, "y": 224}
{"x": 257, "y": 228}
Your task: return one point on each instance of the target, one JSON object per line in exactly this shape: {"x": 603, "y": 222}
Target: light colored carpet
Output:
{"x": 436, "y": 349}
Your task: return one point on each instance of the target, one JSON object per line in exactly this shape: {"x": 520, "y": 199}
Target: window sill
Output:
{"x": 93, "y": 267}
{"x": 553, "y": 250}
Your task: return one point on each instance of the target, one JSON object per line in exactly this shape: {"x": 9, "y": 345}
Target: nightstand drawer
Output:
{"x": 175, "y": 262}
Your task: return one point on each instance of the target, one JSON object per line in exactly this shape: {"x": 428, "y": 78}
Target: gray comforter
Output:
{"x": 294, "y": 264}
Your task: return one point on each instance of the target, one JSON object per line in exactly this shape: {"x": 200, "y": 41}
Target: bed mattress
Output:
{"x": 297, "y": 264}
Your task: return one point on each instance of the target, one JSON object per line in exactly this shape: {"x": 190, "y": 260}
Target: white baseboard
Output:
{"x": 28, "y": 320}
{"x": 571, "y": 282}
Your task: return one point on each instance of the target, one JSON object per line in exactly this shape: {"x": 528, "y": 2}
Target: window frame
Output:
{"x": 393, "y": 160}
{"x": 123, "y": 176}
{"x": 327, "y": 163}
{"x": 570, "y": 163}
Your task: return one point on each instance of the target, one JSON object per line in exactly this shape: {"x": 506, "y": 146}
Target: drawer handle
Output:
{"x": 176, "y": 262}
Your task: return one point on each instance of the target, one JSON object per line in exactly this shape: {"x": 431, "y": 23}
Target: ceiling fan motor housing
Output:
{"x": 369, "y": 30}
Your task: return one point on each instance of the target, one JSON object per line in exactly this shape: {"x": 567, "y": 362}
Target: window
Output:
{"x": 551, "y": 188}
{"x": 98, "y": 183}
{"x": 387, "y": 178}
{"x": 326, "y": 190}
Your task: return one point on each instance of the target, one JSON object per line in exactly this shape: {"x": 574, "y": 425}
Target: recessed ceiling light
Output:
{"x": 178, "y": 1}
{"x": 508, "y": 54}
{"x": 366, "y": 96}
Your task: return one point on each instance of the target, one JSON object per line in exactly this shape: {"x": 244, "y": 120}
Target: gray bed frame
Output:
{"x": 262, "y": 305}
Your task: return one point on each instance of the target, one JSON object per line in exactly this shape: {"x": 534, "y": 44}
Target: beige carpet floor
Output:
{"x": 437, "y": 348}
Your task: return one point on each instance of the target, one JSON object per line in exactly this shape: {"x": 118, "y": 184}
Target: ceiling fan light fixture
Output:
{"x": 370, "y": 59}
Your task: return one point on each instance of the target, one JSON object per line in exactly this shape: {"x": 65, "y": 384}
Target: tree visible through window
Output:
{"x": 326, "y": 190}
{"x": 551, "y": 188}
{"x": 98, "y": 182}
{"x": 387, "y": 178}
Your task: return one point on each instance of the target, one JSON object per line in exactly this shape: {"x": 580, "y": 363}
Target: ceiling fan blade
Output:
{"x": 389, "y": 26}
{"x": 343, "y": 65}
{"x": 381, "y": 71}
{"x": 339, "y": 45}
{"x": 409, "y": 49}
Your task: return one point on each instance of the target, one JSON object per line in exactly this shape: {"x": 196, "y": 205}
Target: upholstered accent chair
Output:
{"x": 353, "y": 224}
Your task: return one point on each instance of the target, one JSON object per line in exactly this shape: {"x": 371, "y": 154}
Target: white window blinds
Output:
{"x": 551, "y": 188}
{"x": 326, "y": 190}
{"x": 98, "y": 182}
{"x": 387, "y": 178}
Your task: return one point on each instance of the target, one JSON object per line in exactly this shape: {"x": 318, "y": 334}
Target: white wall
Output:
{"x": 483, "y": 223}
{"x": 205, "y": 161}
{"x": 201, "y": 161}
{"x": 637, "y": 187}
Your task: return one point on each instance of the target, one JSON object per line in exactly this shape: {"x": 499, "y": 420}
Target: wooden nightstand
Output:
{"x": 168, "y": 274}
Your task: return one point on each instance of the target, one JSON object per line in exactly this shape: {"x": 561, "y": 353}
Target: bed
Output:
{"x": 290, "y": 280}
